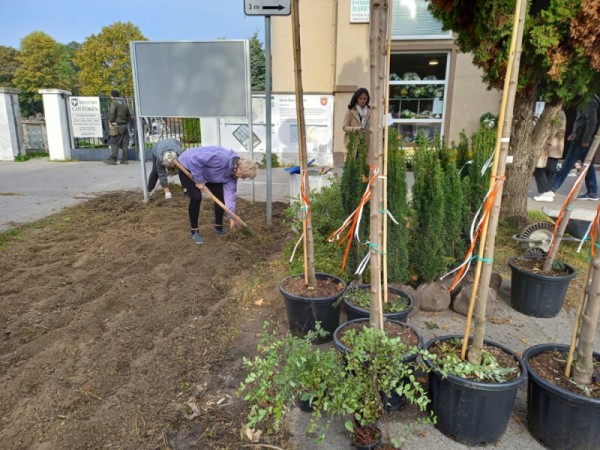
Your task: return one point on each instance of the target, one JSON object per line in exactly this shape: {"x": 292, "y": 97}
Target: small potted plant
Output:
{"x": 377, "y": 364}
{"x": 357, "y": 301}
{"x": 286, "y": 370}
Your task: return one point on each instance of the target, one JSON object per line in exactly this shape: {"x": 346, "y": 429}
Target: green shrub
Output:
{"x": 191, "y": 131}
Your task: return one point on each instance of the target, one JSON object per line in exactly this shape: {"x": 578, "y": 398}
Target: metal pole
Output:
{"x": 268, "y": 117}
{"x": 140, "y": 127}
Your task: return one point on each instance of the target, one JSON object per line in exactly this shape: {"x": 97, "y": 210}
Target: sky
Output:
{"x": 158, "y": 20}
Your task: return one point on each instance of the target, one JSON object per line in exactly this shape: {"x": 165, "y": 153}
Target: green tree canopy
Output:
{"x": 8, "y": 65}
{"x": 66, "y": 69}
{"x": 38, "y": 63}
{"x": 104, "y": 60}
{"x": 557, "y": 64}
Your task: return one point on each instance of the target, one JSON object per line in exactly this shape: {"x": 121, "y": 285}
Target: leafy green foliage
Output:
{"x": 38, "y": 68}
{"x": 274, "y": 161}
{"x": 361, "y": 297}
{"x": 104, "y": 60}
{"x": 327, "y": 215}
{"x": 450, "y": 362}
{"x": 397, "y": 205}
{"x": 427, "y": 251}
{"x": 8, "y": 65}
{"x": 257, "y": 64}
{"x": 286, "y": 368}
{"x": 191, "y": 131}
{"x": 376, "y": 364}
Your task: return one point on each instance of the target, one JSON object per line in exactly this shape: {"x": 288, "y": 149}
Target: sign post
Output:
{"x": 267, "y": 8}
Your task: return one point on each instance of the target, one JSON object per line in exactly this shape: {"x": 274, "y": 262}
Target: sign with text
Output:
{"x": 267, "y": 7}
{"x": 86, "y": 121}
{"x": 359, "y": 11}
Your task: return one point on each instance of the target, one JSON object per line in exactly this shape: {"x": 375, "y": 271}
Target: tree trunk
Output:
{"x": 378, "y": 37}
{"x": 528, "y": 138}
{"x": 584, "y": 368}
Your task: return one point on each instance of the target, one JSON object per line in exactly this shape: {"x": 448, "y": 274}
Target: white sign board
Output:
{"x": 359, "y": 11}
{"x": 267, "y": 7}
{"x": 318, "y": 116}
{"x": 86, "y": 121}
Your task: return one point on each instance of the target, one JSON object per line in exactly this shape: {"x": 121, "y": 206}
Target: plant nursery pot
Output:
{"x": 304, "y": 312}
{"x": 558, "y": 418}
{"x": 538, "y": 295}
{"x": 356, "y": 312}
{"x": 468, "y": 411}
{"x": 374, "y": 434}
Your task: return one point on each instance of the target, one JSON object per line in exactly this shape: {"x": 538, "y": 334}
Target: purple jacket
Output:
{"x": 213, "y": 165}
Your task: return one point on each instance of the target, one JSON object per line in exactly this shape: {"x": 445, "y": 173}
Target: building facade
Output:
{"x": 433, "y": 88}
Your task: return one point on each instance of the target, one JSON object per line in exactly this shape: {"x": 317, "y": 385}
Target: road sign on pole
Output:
{"x": 267, "y": 7}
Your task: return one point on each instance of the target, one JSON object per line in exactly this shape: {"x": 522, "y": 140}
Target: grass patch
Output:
{"x": 31, "y": 155}
{"x": 16, "y": 234}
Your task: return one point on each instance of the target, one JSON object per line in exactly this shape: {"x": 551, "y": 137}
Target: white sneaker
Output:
{"x": 545, "y": 197}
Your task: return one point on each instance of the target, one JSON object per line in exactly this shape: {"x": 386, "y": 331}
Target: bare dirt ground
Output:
{"x": 118, "y": 332}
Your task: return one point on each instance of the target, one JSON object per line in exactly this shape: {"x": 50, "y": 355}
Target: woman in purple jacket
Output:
{"x": 218, "y": 169}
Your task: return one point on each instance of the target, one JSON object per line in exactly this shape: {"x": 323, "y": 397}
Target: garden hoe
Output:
{"x": 237, "y": 220}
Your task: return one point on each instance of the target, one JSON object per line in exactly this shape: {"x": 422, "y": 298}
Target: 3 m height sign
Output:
{"x": 267, "y": 7}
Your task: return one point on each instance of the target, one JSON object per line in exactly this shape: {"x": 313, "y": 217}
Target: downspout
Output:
{"x": 334, "y": 27}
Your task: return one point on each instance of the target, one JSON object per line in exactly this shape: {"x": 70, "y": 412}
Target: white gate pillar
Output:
{"x": 57, "y": 123}
{"x": 11, "y": 133}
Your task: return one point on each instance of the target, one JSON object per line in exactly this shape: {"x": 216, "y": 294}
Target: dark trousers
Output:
{"x": 153, "y": 177}
{"x": 576, "y": 153}
{"x": 195, "y": 196}
{"x": 544, "y": 175}
{"x": 120, "y": 141}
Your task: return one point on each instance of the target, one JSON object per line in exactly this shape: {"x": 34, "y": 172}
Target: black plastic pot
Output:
{"x": 356, "y": 312}
{"x": 557, "y": 418}
{"x": 304, "y": 312}
{"x": 373, "y": 445}
{"x": 472, "y": 412}
{"x": 538, "y": 295}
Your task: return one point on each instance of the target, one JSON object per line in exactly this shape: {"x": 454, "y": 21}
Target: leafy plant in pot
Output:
{"x": 377, "y": 363}
{"x": 287, "y": 369}
{"x": 357, "y": 301}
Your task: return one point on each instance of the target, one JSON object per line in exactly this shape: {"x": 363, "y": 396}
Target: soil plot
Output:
{"x": 119, "y": 332}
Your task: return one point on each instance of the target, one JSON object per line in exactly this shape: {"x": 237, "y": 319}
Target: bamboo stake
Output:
{"x": 309, "y": 263}
{"x": 385, "y": 154}
{"x": 215, "y": 199}
{"x": 486, "y": 246}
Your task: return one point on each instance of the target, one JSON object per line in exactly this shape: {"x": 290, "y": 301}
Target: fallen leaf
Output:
{"x": 524, "y": 341}
{"x": 431, "y": 325}
{"x": 253, "y": 435}
{"x": 259, "y": 302}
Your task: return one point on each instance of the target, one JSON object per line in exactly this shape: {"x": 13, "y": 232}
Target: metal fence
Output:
{"x": 35, "y": 136}
{"x": 155, "y": 128}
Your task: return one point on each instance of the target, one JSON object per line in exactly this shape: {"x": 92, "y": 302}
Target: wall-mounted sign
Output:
{"x": 359, "y": 11}
{"x": 86, "y": 121}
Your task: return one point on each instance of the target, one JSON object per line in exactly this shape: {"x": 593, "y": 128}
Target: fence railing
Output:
{"x": 35, "y": 136}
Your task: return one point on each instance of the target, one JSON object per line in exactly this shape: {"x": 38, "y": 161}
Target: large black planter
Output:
{"x": 538, "y": 295}
{"x": 304, "y": 312}
{"x": 356, "y": 312}
{"x": 557, "y": 418}
{"x": 472, "y": 412}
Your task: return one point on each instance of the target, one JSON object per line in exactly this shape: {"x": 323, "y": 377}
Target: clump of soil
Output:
{"x": 118, "y": 331}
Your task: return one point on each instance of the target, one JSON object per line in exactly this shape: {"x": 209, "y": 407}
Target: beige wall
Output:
{"x": 335, "y": 60}
{"x": 470, "y": 99}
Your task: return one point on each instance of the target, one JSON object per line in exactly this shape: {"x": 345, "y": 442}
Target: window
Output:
{"x": 417, "y": 93}
{"x": 412, "y": 20}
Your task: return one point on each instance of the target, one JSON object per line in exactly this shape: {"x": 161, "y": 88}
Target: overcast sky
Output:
{"x": 170, "y": 20}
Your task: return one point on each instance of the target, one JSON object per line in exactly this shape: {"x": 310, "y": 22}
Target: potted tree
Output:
{"x": 309, "y": 297}
{"x": 486, "y": 423}
{"x": 563, "y": 401}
